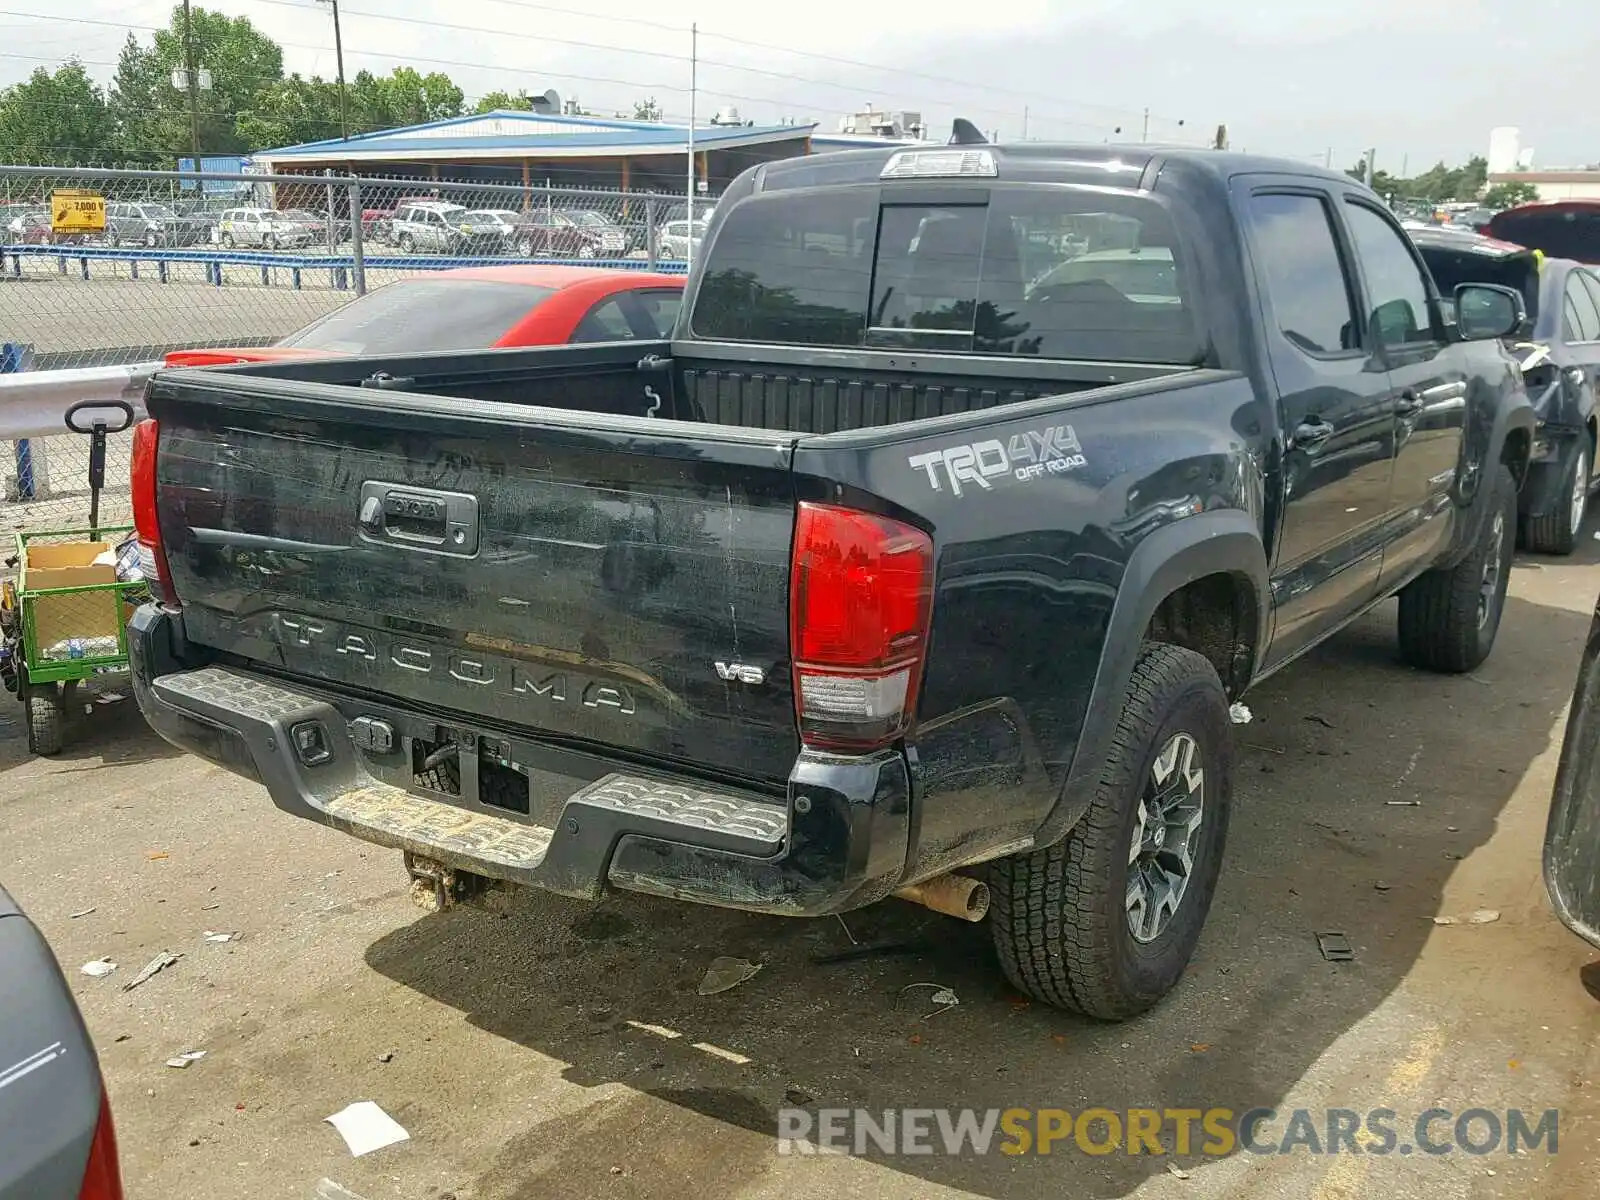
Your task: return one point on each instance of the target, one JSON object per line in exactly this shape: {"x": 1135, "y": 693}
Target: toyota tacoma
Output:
{"x": 925, "y": 558}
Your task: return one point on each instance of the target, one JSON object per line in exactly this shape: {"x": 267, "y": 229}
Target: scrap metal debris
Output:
{"x": 82, "y": 912}
{"x": 726, "y": 973}
{"x": 1175, "y": 1170}
{"x": 327, "y": 1189}
{"x": 365, "y": 1127}
{"x": 1239, "y": 714}
{"x": 211, "y": 936}
{"x": 942, "y": 996}
{"x": 180, "y": 1061}
{"x": 151, "y": 969}
{"x": 99, "y": 968}
{"x": 1335, "y": 947}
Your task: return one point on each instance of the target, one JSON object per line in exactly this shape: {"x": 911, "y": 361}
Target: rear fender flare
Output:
{"x": 1223, "y": 542}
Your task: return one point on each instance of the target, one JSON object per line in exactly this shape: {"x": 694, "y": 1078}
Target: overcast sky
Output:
{"x": 1418, "y": 81}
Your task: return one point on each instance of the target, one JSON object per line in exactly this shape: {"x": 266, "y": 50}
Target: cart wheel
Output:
{"x": 47, "y": 719}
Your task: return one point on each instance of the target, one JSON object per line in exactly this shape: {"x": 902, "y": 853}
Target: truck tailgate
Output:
{"x": 590, "y": 579}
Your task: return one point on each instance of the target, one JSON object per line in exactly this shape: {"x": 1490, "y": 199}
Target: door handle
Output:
{"x": 1408, "y": 405}
{"x": 1310, "y": 434}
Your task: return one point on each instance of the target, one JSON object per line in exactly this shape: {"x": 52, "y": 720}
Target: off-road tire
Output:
{"x": 47, "y": 719}
{"x": 1557, "y": 531}
{"x": 1059, "y": 914}
{"x": 1439, "y": 622}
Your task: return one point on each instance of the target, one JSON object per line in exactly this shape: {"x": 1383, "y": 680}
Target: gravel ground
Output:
{"x": 504, "y": 1044}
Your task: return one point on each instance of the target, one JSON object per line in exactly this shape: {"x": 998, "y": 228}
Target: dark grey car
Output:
{"x": 56, "y": 1136}
{"x": 1559, "y": 348}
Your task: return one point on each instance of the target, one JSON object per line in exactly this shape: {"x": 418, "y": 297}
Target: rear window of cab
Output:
{"x": 1049, "y": 272}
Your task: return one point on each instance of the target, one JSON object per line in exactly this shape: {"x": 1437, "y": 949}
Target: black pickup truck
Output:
{"x": 925, "y": 558}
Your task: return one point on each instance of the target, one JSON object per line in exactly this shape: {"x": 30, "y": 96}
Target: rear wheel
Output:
{"x": 1104, "y": 922}
{"x": 152, "y": 240}
{"x": 227, "y": 240}
{"x": 270, "y": 242}
{"x": 1450, "y": 616}
{"x": 407, "y": 243}
{"x": 1557, "y": 531}
{"x": 47, "y": 718}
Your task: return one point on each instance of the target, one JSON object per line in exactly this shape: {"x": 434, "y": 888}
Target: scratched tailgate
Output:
{"x": 570, "y": 574}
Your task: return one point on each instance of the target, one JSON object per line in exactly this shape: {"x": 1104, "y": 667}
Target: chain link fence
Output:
{"x": 235, "y": 260}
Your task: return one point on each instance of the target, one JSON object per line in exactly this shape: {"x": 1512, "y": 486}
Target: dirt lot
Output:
{"x": 504, "y": 1044}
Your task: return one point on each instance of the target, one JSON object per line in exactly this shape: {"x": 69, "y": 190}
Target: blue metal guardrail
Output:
{"x": 340, "y": 266}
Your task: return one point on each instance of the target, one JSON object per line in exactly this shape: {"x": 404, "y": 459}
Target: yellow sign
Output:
{"x": 73, "y": 210}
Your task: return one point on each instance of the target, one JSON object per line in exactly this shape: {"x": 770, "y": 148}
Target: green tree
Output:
{"x": 55, "y": 117}
{"x": 1474, "y": 178}
{"x": 1509, "y": 195}
{"x": 403, "y": 97}
{"x": 502, "y": 101}
{"x": 153, "y": 116}
{"x": 291, "y": 111}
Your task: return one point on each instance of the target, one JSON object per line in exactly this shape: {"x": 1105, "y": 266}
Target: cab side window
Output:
{"x": 1304, "y": 275}
{"x": 1396, "y": 286}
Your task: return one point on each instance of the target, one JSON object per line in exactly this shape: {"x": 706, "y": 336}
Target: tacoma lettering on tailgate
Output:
{"x": 300, "y": 636}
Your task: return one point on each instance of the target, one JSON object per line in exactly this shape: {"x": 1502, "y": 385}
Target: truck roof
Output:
{"x": 1068, "y": 162}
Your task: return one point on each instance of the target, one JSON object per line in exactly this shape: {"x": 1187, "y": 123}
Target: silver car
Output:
{"x": 425, "y": 225}
{"x": 674, "y": 240}
{"x": 56, "y": 1136}
{"x": 262, "y": 227}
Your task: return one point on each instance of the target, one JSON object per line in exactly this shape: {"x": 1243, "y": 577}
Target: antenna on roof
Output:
{"x": 964, "y": 133}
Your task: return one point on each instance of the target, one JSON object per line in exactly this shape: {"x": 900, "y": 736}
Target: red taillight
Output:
{"x": 102, "y": 1177}
{"x": 152, "y": 554}
{"x": 860, "y": 596}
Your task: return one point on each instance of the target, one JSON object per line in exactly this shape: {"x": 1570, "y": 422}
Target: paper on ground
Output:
{"x": 365, "y": 1127}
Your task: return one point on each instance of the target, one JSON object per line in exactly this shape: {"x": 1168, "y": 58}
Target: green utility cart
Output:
{"x": 63, "y": 619}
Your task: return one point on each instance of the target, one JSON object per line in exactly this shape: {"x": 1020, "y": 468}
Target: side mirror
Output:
{"x": 1485, "y": 311}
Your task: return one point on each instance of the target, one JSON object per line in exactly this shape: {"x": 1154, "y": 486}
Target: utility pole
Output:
{"x": 193, "y": 81}
{"x": 1327, "y": 159}
{"x": 1371, "y": 154}
{"x": 1024, "y": 122}
{"x": 338, "y": 53}
{"x": 1145, "y": 136}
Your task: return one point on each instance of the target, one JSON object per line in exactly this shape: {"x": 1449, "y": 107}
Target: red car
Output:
{"x": 1560, "y": 228}
{"x": 473, "y": 308}
{"x": 31, "y": 227}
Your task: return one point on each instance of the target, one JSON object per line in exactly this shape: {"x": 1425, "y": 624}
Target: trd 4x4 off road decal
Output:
{"x": 1028, "y": 456}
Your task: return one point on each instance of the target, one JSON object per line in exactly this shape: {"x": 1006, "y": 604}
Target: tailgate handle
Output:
{"x": 419, "y": 518}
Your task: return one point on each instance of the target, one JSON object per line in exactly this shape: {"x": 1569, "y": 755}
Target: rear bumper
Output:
{"x": 835, "y": 842}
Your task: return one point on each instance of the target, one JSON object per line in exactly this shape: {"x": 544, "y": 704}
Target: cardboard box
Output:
{"x": 80, "y": 614}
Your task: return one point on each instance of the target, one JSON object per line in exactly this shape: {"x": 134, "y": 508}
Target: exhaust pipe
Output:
{"x": 953, "y": 895}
